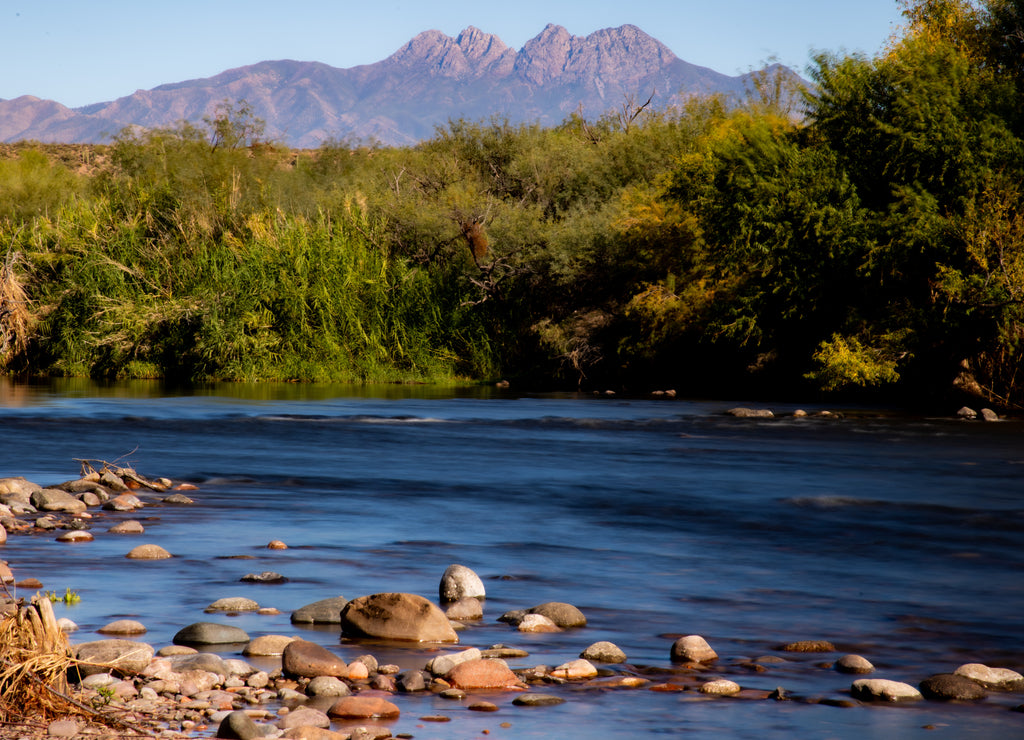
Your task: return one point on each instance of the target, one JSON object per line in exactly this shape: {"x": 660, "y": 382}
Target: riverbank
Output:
{"x": 218, "y": 676}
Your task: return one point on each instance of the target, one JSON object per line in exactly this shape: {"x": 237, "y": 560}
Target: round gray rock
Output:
{"x": 325, "y": 611}
{"x": 239, "y": 726}
{"x": 562, "y": 614}
{"x": 460, "y": 582}
{"x": 604, "y": 652}
{"x": 209, "y": 633}
{"x": 305, "y": 717}
{"x": 951, "y": 687}
{"x": 327, "y": 686}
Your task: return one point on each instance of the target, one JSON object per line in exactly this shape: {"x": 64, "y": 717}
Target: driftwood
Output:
{"x": 89, "y": 466}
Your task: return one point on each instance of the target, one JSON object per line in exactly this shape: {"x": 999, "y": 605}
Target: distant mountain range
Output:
{"x": 401, "y": 99}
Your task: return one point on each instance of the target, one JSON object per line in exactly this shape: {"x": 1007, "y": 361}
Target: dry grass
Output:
{"x": 15, "y": 317}
{"x": 34, "y": 662}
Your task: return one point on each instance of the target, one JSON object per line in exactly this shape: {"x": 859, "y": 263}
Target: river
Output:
{"x": 896, "y": 537}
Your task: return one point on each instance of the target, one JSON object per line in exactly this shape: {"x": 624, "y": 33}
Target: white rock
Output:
{"x": 720, "y": 687}
{"x": 882, "y": 689}
{"x": 991, "y": 677}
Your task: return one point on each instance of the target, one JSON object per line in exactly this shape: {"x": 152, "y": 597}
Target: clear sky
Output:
{"x": 88, "y": 51}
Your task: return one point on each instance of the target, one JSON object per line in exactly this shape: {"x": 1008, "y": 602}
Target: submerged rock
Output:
{"x": 209, "y": 633}
{"x": 562, "y": 614}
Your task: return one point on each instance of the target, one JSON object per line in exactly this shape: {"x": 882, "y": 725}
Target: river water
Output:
{"x": 896, "y": 537}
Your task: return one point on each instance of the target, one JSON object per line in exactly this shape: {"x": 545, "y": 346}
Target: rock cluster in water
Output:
{"x": 184, "y": 689}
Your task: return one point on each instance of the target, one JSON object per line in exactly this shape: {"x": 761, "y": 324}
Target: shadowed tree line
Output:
{"x": 864, "y": 235}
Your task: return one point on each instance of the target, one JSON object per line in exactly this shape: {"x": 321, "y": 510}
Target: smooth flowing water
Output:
{"x": 898, "y": 538}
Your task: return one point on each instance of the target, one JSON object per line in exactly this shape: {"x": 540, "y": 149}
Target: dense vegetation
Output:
{"x": 866, "y": 234}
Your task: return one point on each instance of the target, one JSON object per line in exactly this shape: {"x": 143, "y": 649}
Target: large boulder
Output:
{"x": 460, "y": 582}
{"x": 396, "y": 616}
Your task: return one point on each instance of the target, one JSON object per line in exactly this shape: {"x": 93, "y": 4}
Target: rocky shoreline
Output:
{"x": 285, "y": 686}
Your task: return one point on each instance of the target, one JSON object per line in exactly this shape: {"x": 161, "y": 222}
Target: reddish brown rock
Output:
{"x": 309, "y": 660}
{"x": 362, "y": 707}
{"x": 482, "y": 673}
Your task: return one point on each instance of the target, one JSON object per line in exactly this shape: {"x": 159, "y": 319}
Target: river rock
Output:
{"x": 179, "y": 499}
{"x": 604, "y": 652}
{"x": 951, "y": 687}
{"x": 362, "y": 707}
{"x": 325, "y": 611}
{"x": 6, "y": 576}
{"x": 304, "y": 717}
{"x": 537, "y": 623}
{"x": 13, "y": 487}
{"x": 308, "y": 732}
{"x": 966, "y": 412}
{"x": 531, "y": 699}
{"x": 54, "y": 499}
{"x": 460, "y": 582}
{"x": 465, "y": 609}
{"x": 992, "y": 678}
{"x": 308, "y": 660}
{"x": 233, "y": 604}
{"x": 882, "y": 689}
{"x": 209, "y": 633}
{"x": 720, "y": 687}
{"x": 854, "y": 664}
{"x": 74, "y": 535}
{"x": 396, "y": 616}
{"x": 267, "y": 576}
{"x": 148, "y": 552}
{"x": 197, "y": 661}
{"x": 412, "y": 680}
{"x": 439, "y": 665}
{"x": 238, "y": 725}
{"x": 358, "y": 671}
{"x": 102, "y": 656}
{"x": 692, "y": 649}
{"x": 328, "y": 686}
{"x": 562, "y": 614}
{"x": 123, "y": 627}
{"x": 123, "y": 502}
{"x": 483, "y": 673}
{"x": 267, "y": 645}
{"x": 129, "y": 526}
{"x": 809, "y": 646}
{"x": 743, "y": 412}
{"x": 575, "y": 670}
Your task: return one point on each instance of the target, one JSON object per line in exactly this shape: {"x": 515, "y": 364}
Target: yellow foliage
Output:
{"x": 845, "y": 362}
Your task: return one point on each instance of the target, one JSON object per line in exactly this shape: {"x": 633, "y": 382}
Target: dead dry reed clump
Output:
{"x": 14, "y": 313}
{"x": 35, "y": 658}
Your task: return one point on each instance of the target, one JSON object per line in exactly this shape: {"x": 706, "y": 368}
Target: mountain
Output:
{"x": 399, "y": 100}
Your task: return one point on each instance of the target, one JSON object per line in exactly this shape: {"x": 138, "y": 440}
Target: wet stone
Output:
{"x": 233, "y": 604}
{"x": 951, "y": 687}
{"x": 148, "y": 552}
{"x": 325, "y": 611}
{"x": 537, "y": 700}
{"x": 459, "y": 582}
{"x": 604, "y": 652}
{"x": 854, "y": 664}
{"x": 881, "y": 689}
{"x": 692, "y": 649}
{"x": 267, "y": 576}
{"x": 809, "y": 646}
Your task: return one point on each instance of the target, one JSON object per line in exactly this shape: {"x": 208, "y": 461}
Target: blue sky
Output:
{"x": 87, "y": 51}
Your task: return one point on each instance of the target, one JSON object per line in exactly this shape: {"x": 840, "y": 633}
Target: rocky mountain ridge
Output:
{"x": 401, "y": 99}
